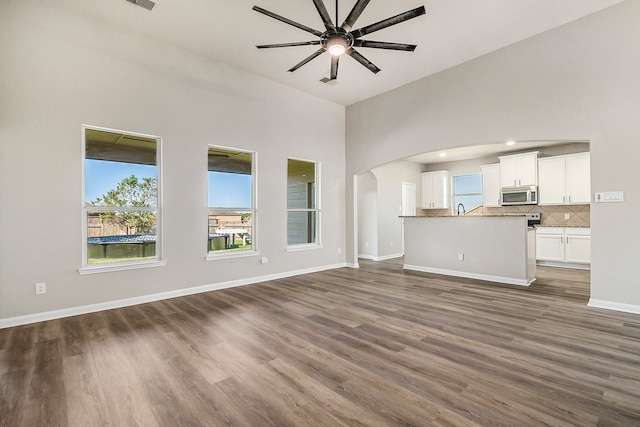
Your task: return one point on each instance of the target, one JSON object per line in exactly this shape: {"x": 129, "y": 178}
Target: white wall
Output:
{"x": 58, "y": 71}
{"x": 577, "y": 82}
{"x": 367, "y": 216}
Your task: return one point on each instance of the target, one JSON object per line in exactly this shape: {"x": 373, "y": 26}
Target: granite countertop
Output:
{"x": 463, "y": 216}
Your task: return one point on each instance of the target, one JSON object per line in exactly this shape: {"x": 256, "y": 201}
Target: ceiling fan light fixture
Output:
{"x": 337, "y": 44}
{"x": 336, "y": 47}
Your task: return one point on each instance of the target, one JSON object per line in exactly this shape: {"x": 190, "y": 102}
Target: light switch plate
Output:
{"x": 610, "y": 197}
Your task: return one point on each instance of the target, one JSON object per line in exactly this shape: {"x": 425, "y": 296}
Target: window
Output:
{"x": 467, "y": 192}
{"x": 121, "y": 208}
{"x": 231, "y": 202}
{"x": 303, "y": 207}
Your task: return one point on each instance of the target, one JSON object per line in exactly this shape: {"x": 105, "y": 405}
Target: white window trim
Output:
{"x": 133, "y": 264}
{"x": 304, "y": 247}
{"x": 254, "y": 251}
{"x": 453, "y": 189}
{"x": 318, "y": 243}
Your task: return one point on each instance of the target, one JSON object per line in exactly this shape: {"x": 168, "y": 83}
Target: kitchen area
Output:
{"x": 528, "y": 208}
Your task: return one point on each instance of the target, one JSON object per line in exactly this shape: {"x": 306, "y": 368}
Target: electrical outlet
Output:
{"x": 41, "y": 288}
{"x": 391, "y": 244}
{"x": 461, "y": 256}
{"x": 567, "y": 216}
{"x": 366, "y": 244}
{"x": 339, "y": 251}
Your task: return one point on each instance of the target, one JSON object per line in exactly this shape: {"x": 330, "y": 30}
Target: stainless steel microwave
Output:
{"x": 519, "y": 196}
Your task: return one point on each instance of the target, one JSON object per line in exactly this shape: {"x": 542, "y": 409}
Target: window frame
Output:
{"x": 318, "y": 211}
{"x": 454, "y": 206}
{"x": 158, "y": 261}
{"x": 254, "y": 251}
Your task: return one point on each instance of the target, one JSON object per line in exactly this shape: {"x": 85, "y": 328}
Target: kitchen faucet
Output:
{"x": 463, "y": 209}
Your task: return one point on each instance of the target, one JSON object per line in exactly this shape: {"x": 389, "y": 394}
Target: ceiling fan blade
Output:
{"x": 287, "y": 21}
{"x": 334, "y": 67}
{"x": 364, "y": 61}
{"x": 354, "y": 15}
{"x": 307, "y": 59}
{"x": 385, "y": 45}
{"x": 322, "y": 10}
{"x": 269, "y": 46}
{"x": 389, "y": 22}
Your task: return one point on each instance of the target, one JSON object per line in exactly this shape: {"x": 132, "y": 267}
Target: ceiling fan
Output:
{"x": 340, "y": 40}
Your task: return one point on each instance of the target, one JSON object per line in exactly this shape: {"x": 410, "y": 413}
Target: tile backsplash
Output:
{"x": 579, "y": 215}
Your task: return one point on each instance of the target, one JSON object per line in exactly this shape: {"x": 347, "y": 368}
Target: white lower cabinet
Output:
{"x": 571, "y": 245}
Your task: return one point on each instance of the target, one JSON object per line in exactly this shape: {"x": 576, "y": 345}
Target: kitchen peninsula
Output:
{"x": 493, "y": 248}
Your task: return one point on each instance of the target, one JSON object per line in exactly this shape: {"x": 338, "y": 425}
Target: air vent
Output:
{"x": 147, "y": 4}
{"x": 329, "y": 81}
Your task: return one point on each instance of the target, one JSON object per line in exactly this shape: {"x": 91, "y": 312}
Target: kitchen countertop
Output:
{"x": 563, "y": 226}
{"x": 496, "y": 216}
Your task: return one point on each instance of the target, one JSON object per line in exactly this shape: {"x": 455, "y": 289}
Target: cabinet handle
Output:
{"x": 561, "y": 240}
{"x": 514, "y": 183}
{"x": 569, "y": 199}
{"x": 563, "y": 199}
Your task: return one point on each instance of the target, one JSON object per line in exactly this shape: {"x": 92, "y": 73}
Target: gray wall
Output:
{"x": 577, "y": 82}
{"x": 60, "y": 70}
{"x": 493, "y": 248}
{"x": 389, "y": 186}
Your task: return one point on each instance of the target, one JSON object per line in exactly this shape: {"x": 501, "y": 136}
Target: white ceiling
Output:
{"x": 451, "y": 32}
{"x": 484, "y": 150}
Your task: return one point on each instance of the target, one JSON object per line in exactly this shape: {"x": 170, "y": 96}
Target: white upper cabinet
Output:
{"x": 491, "y": 185}
{"x": 579, "y": 178}
{"x": 519, "y": 170}
{"x": 565, "y": 180}
{"x": 552, "y": 181}
{"x": 436, "y": 193}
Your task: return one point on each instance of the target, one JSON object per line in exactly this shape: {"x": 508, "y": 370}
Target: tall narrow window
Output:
{"x": 303, "y": 210}
{"x": 121, "y": 199}
{"x": 467, "y": 192}
{"x": 231, "y": 201}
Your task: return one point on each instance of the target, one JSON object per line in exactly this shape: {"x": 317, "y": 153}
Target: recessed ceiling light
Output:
{"x": 511, "y": 143}
{"x": 443, "y": 154}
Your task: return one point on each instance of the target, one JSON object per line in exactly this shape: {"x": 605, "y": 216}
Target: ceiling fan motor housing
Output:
{"x": 337, "y": 41}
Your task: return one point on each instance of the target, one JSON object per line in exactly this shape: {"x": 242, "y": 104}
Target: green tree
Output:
{"x": 131, "y": 192}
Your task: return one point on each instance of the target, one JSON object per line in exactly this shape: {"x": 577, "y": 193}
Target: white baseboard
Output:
{"x": 386, "y": 257}
{"x": 617, "y": 306}
{"x": 564, "y": 265}
{"x": 92, "y": 308}
{"x": 354, "y": 265}
{"x": 380, "y": 258}
{"x": 468, "y": 275}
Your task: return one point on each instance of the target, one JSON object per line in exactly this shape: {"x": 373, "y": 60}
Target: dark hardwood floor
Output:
{"x": 375, "y": 346}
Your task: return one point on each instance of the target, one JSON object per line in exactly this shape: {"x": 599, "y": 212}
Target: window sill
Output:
{"x": 304, "y": 247}
{"x": 94, "y": 269}
{"x": 230, "y": 255}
